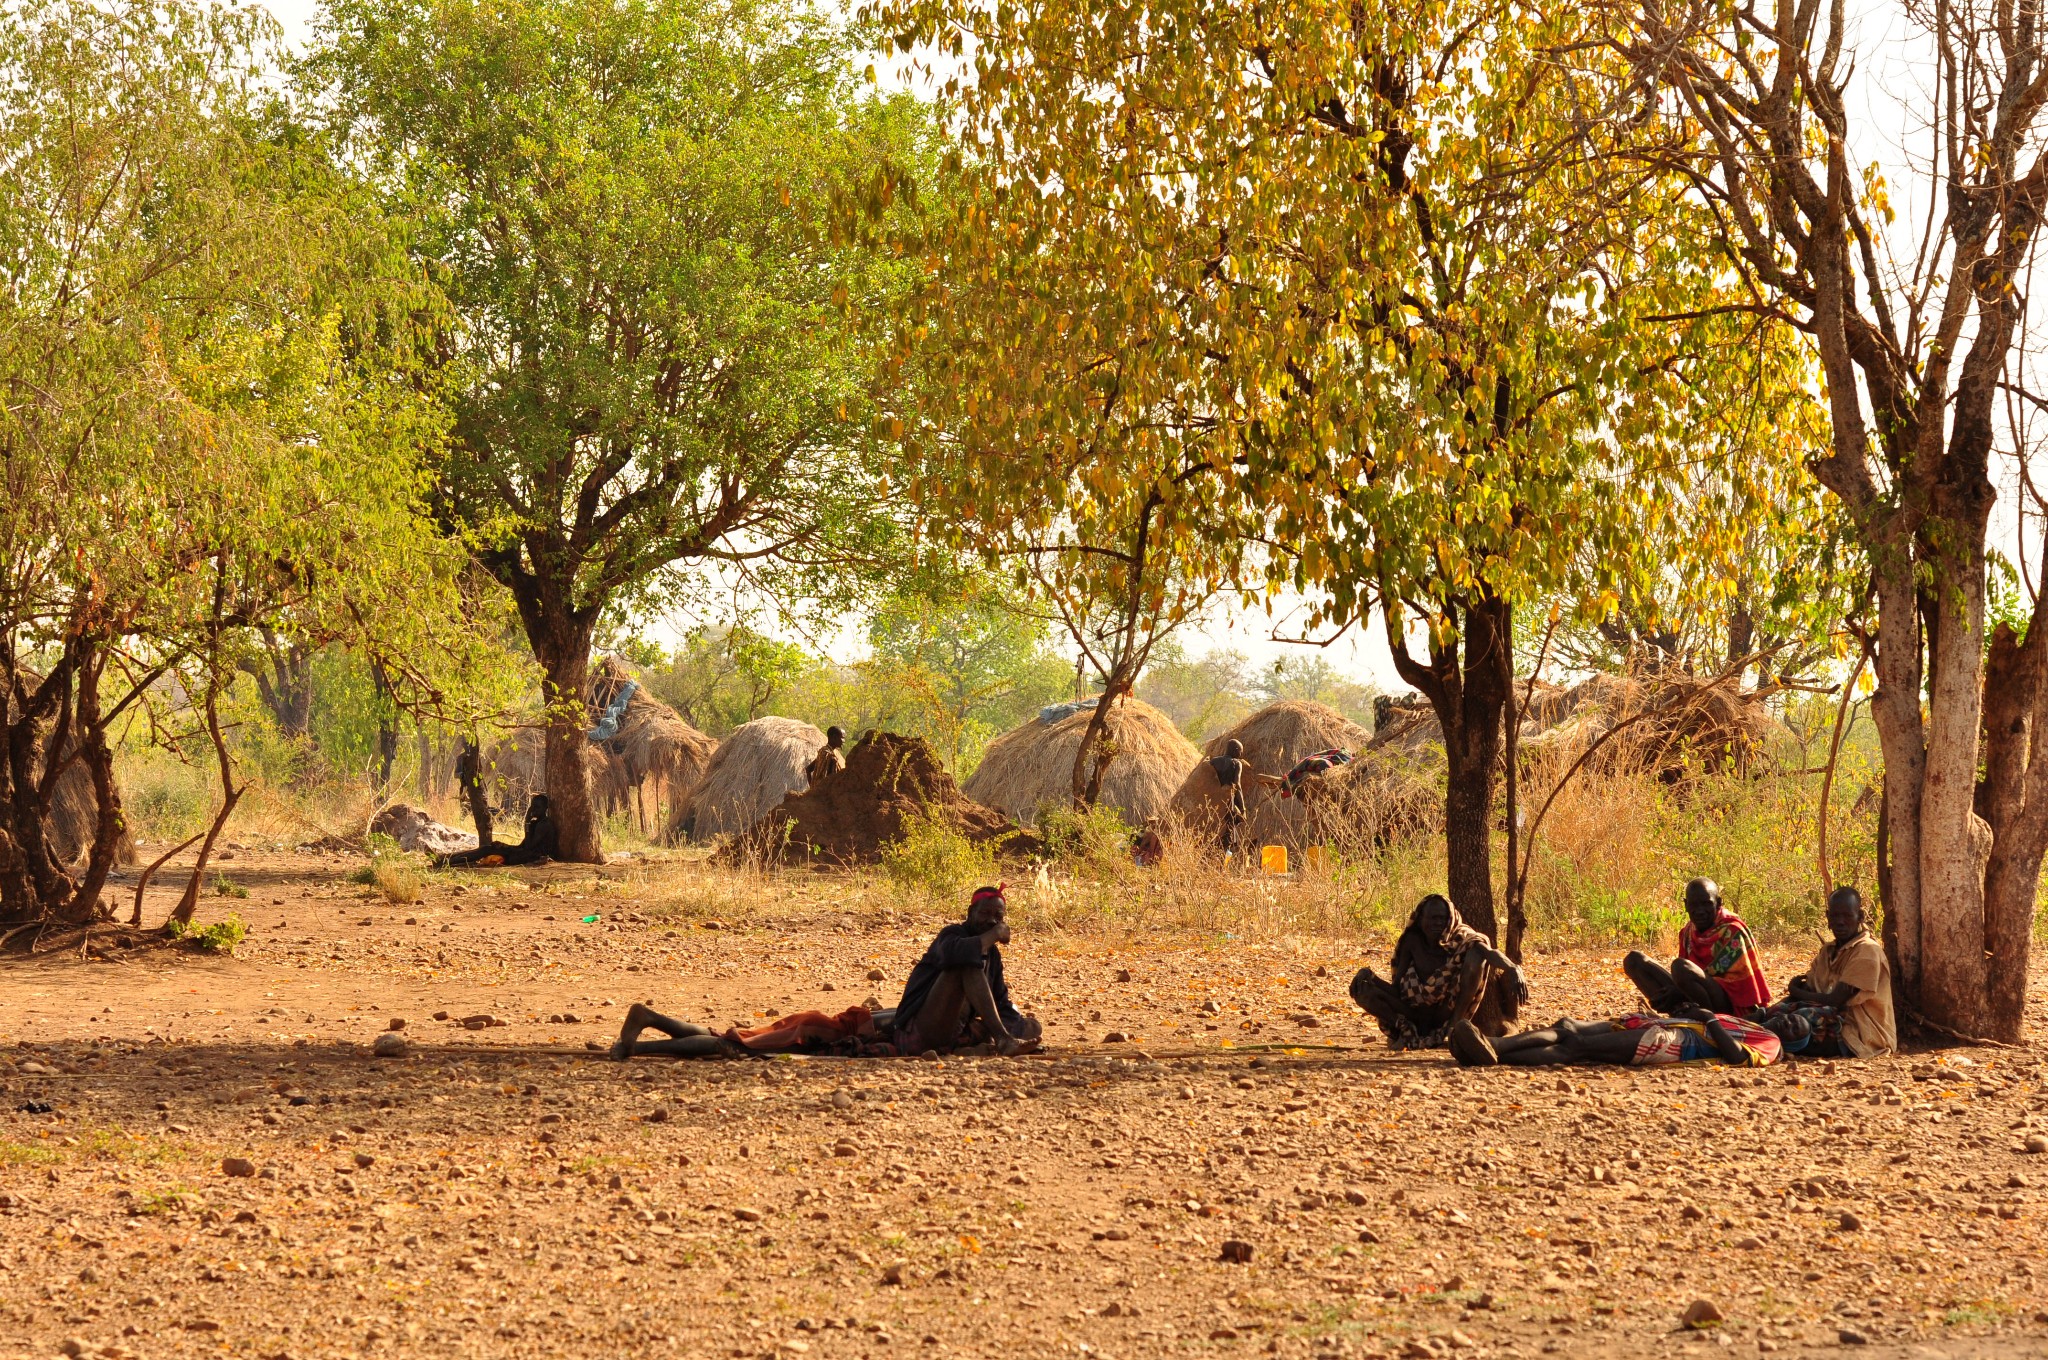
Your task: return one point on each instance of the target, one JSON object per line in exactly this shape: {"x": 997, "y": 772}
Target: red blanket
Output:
{"x": 806, "y": 1029}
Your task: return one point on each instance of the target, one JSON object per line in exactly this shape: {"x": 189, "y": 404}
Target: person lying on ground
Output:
{"x": 852, "y": 1033}
{"x": 1442, "y": 968}
{"x": 684, "y": 1040}
{"x": 1846, "y": 992}
{"x": 956, "y": 997}
{"x": 540, "y": 843}
{"x": 830, "y": 760}
{"x": 1692, "y": 1035}
{"x": 1717, "y": 967}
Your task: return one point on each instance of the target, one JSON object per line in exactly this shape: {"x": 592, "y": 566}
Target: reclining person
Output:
{"x": 956, "y": 997}
{"x": 541, "y": 842}
{"x": 1846, "y": 992}
{"x": 1717, "y": 967}
{"x": 1442, "y": 968}
{"x": 1693, "y": 1034}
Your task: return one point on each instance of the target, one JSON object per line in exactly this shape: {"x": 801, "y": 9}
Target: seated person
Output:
{"x": 956, "y": 997}
{"x": 1717, "y": 967}
{"x": 830, "y": 760}
{"x": 1442, "y": 968}
{"x": 540, "y": 843}
{"x": 1846, "y": 992}
{"x": 1148, "y": 847}
{"x": 1692, "y": 1035}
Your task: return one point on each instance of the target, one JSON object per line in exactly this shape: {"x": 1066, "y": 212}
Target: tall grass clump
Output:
{"x": 936, "y": 861}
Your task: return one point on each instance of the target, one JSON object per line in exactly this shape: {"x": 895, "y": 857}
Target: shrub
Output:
{"x": 223, "y": 886}
{"x": 397, "y": 880}
{"x": 934, "y": 858}
{"x": 222, "y": 936}
{"x": 1096, "y": 842}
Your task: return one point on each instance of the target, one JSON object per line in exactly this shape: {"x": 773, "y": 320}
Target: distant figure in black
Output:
{"x": 540, "y": 843}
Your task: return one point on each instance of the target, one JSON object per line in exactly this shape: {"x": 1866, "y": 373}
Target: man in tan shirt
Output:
{"x": 1847, "y": 990}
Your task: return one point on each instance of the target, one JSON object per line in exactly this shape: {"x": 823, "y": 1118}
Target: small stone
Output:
{"x": 237, "y": 1166}
{"x": 478, "y": 1021}
{"x": 1123, "y": 975}
{"x": 827, "y": 987}
{"x": 1849, "y": 1222}
{"x": 876, "y": 975}
{"x": 1701, "y": 1314}
{"x": 440, "y": 1015}
{"x": 893, "y": 1273}
{"x": 842, "y": 1100}
{"x": 1749, "y": 1244}
{"x": 364, "y": 1161}
{"x": 1692, "y": 1212}
{"x": 71, "y": 1346}
{"x": 1368, "y": 1237}
{"x": 1212, "y": 1007}
{"x": 747, "y": 1215}
{"x": 1850, "y": 1337}
{"x": 397, "y": 1023}
{"x": 32, "y": 1068}
{"x": 1116, "y": 1036}
{"x": 390, "y": 1044}
{"x": 1239, "y": 1253}
{"x": 844, "y": 1149}
{"x": 2036, "y": 1142}
{"x": 658, "y": 1115}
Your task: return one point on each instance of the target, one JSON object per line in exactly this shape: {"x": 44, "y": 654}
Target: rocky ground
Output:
{"x": 199, "y": 1155}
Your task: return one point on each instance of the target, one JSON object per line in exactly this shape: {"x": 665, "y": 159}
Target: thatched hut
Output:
{"x": 1033, "y": 766}
{"x": 1383, "y": 790}
{"x": 652, "y": 747}
{"x": 1670, "y": 725}
{"x": 754, "y": 768}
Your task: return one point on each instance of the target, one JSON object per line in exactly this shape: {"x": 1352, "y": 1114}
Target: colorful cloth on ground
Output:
{"x": 1869, "y": 1028}
{"x": 1315, "y": 764}
{"x": 1727, "y": 954}
{"x": 808, "y": 1031}
{"x": 1666, "y": 1039}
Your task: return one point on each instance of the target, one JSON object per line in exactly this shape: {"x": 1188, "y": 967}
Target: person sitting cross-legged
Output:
{"x": 1442, "y": 968}
{"x": 956, "y": 997}
{"x": 1717, "y": 967}
{"x": 1693, "y": 1034}
{"x": 1846, "y": 992}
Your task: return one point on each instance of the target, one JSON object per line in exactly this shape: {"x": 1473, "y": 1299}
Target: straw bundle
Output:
{"x": 1033, "y": 766}
{"x": 754, "y": 768}
{"x": 654, "y": 746}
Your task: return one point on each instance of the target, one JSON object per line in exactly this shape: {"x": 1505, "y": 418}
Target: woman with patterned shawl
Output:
{"x": 1717, "y": 965}
{"x": 1442, "y": 968}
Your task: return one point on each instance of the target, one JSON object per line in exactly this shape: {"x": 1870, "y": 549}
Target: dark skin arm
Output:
{"x": 1724, "y": 1043}
{"x": 1801, "y": 991}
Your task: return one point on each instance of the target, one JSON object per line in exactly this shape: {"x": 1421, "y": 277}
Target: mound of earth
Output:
{"x": 889, "y": 782}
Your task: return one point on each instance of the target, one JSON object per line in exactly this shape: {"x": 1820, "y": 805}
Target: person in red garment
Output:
{"x": 1717, "y": 967}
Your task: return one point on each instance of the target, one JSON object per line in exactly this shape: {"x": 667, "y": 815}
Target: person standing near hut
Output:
{"x": 830, "y": 760}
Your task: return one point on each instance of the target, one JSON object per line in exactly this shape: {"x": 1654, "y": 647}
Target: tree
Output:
{"x": 1364, "y": 269}
{"x": 1928, "y": 380}
{"x": 961, "y": 661}
{"x": 724, "y": 676}
{"x": 212, "y": 425}
{"x": 656, "y": 358}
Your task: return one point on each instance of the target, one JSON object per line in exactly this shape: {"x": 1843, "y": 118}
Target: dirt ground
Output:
{"x": 506, "y": 1191}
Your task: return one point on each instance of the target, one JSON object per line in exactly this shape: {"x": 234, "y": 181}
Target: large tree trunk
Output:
{"x": 563, "y": 649}
{"x": 1468, "y": 682}
{"x": 286, "y": 684}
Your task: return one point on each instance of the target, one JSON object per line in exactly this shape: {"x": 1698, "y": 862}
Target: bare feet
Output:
{"x": 636, "y": 1020}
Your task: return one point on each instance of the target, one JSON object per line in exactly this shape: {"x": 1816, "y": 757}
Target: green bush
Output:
{"x": 219, "y": 938}
{"x": 934, "y": 858}
{"x": 223, "y": 886}
{"x": 1096, "y": 842}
